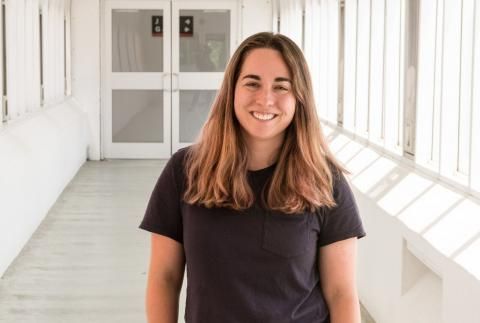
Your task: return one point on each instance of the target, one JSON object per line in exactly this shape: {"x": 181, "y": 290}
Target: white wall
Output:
{"x": 256, "y": 17}
{"x": 85, "y": 51}
{"x": 40, "y": 154}
{"x": 42, "y": 144}
{"x": 420, "y": 259}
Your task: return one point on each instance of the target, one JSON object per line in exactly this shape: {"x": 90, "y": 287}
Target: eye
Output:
{"x": 253, "y": 85}
{"x": 281, "y": 88}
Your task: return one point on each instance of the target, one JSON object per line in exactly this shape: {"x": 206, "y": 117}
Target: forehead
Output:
{"x": 265, "y": 62}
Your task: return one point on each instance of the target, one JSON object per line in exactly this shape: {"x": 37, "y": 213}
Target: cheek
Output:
{"x": 289, "y": 106}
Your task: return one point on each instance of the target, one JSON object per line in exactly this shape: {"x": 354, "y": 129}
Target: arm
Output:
{"x": 165, "y": 278}
{"x": 337, "y": 273}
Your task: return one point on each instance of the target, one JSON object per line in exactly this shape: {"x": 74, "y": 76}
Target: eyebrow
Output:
{"x": 277, "y": 79}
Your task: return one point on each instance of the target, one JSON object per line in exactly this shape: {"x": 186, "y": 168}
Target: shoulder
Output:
{"x": 340, "y": 182}
{"x": 341, "y": 192}
{"x": 182, "y": 153}
{"x": 179, "y": 157}
{"x": 177, "y": 165}
{"x": 343, "y": 220}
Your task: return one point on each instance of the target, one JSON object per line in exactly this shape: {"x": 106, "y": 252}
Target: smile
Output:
{"x": 263, "y": 116}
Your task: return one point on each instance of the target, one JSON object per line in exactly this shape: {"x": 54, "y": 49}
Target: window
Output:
{"x": 466, "y": 85}
{"x": 275, "y": 17}
{"x": 35, "y": 42}
{"x": 350, "y": 65}
{"x": 391, "y": 86}
{"x": 410, "y": 77}
{"x": 67, "y": 53}
{"x": 341, "y": 60}
{"x": 42, "y": 82}
{"x": 429, "y": 80}
{"x": 363, "y": 69}
{"x": 328, "y": 37}
{"x": 475, "y": 118}
{"x": 65, "y": 56}
{"x": 376, "y": 99}
{"x": 290, "y": 13}
{"x": 4, "y": 66}
{"x": 454, "y": 88}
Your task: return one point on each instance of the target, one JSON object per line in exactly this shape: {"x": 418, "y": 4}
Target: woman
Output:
{"x": 258, "y": 208}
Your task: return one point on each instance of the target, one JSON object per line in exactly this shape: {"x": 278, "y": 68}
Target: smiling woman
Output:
{"x": 264, "y": 113}
{"x": 258, "y": 208}
{"x": 264, "y": 102}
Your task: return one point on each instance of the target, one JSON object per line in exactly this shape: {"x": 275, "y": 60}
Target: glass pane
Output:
{"x": 204, "y": 40}
{"x": 137, "y": 116}
{"x": 194, "y": 108}
{"x": 137, "y": 40}
{"x": 411, "y": 59}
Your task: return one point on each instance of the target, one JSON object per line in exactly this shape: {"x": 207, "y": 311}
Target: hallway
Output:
{"x": 87, "y": 261}
{"x": 396, "y": 85}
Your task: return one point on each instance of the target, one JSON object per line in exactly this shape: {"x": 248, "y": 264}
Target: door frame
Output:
{"x": 195, "y": 80}
{"x": 134, "y": 80}
{"x": 173, "y": 94}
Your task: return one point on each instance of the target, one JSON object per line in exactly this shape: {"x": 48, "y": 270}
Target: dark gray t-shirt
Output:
{"x": 254, "y": 265}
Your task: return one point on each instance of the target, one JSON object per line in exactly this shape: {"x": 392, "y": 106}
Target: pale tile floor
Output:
{"x": 87, "y": 261}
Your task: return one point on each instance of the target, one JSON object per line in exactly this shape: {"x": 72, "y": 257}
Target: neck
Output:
{"x": 262, "y": 154}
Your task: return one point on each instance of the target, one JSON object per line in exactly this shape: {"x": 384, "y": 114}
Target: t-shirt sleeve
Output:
{"x": 342, "y": 221}
{"x": 163, "y": 212}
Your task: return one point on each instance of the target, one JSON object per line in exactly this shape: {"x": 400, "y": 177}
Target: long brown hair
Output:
{"x": 216, "y": 165}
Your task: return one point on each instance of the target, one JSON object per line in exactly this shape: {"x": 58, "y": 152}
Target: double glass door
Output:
{"x": 163, "y": 64}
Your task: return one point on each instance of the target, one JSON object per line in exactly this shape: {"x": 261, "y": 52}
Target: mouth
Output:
{"x": 263, "y": 116}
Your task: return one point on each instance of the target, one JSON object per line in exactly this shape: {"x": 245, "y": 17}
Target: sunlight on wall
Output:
{"x": 454, "y": 228}
{"x": 376, "y": 178}
{"x": 361, "y": 161}
{"x": 403, "y": 193}
{"x": 348, "y": 152}
{"x": 469, "y": 258}
{"x": 426, "y": 209}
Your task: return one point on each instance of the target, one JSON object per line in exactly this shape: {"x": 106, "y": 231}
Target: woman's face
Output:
{"x": 264, "y": 101}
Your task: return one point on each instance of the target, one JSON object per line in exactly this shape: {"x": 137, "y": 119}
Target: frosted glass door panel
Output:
{"x": 137, "y": 40}
{"x": 204, "y": 40}
{"x": 194, "y": 108}
{"x": 137, "y": 116}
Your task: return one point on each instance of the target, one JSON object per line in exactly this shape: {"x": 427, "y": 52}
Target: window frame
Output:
{"x": 41, "y": 54}
{"x": 444, "y": 50}
{"x": 3, "y": 63}
{"x": 410, "y": 76}
{"x": 474, "y": 167}
{"x": 68, "y": 53}
{"x": 466, "y": 88}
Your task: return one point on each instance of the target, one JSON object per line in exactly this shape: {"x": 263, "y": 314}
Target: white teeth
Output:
{"x": 263, "y": 116}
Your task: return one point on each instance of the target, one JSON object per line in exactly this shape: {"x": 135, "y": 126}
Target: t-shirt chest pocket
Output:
{"x": 285, "y": 235}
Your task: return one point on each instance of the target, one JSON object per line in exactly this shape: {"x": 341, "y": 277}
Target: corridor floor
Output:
{"x": 87, "y": 261}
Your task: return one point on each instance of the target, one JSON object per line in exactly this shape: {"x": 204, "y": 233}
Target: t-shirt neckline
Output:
{"x": 262, "y": 170}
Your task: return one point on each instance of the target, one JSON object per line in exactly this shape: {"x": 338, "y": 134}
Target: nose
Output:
{"x": 265, "y": 97}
